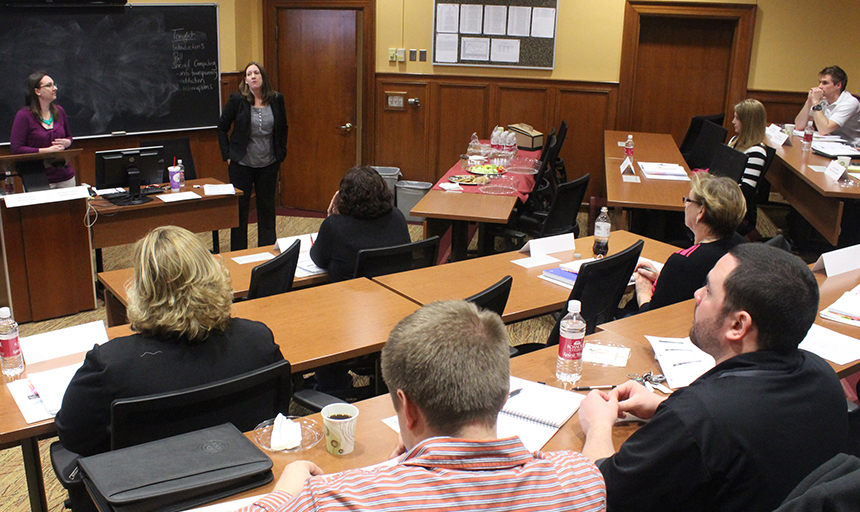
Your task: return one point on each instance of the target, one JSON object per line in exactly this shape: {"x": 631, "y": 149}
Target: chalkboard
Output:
{"x": 136, "y": 68}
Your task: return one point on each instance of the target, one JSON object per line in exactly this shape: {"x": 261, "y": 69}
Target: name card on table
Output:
{"x": 839, "y": 261}
{"x": 55, "y": 195}
{"x": 777, "y": 136}
{"x": 836, "y": 170}
{"x": 627, "y": 166}
{"x": 549, "y": 245}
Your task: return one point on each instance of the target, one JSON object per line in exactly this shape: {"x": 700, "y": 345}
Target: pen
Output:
{"x": 688, "y": 362}
{"x": 312, "y": 240}
{"x": 589, "y": 388}
{"x": 514, "y": 393}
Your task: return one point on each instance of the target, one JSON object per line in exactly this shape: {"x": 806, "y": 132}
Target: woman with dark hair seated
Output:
{"x": 360, "y": 216}
{"x": 179, "y": 303}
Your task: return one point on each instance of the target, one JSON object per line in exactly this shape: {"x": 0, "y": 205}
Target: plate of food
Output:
{"x": 487, "y": 169}
{"x": 287, "y": 439}
{"x": 469, "y": 179}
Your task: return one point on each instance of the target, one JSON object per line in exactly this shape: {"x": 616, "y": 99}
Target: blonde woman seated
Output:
{"x": 712, "y": 211}
{"x": 750, "y": 123}
{"x": 179, "y": 305}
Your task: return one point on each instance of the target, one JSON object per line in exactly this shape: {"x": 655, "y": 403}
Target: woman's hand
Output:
{"x": 53, "y": 148}
{"x": 644, "y": 287}
{"x": 332, "y": 206}
{"x": 64, "y": 143}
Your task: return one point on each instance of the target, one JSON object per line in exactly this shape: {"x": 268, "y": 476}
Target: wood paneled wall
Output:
{"x": 781, "y": 107}
{"x": 425, "y": 141}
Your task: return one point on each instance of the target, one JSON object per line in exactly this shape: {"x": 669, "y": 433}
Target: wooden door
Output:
{"x": 319, "y": 75}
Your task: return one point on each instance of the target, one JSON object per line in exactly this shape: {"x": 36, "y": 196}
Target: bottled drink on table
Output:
{"x": 807, "y": 136}
{"x": 11, "y": 359}
{"x": 9, "y": 183}
{"x": 181, "y": 172}
{"x": 628, "y": 146}
{"x": 602, "y": 227}
{"x": 570, "y": 343}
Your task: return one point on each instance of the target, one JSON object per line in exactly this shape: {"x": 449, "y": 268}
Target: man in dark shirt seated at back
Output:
{"x": 745, "y": 433}
{"x": 447, "y": 366}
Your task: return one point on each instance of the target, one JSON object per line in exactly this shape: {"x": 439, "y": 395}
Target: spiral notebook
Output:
{"x": 536, "y": 412}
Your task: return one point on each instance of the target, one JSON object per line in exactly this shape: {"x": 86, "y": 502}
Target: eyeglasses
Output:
{"x": 49, "y": 85}
{"x": 686, "y": 200}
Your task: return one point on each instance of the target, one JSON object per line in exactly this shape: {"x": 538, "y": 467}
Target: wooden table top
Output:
{"x": 799, "y": 161}
{"x": 240, "y": 274}
{"x": 438, "y": 204}
{"x": 105, "y": 207}
{"x": 530, "y": 296}
{"x": 650, "y": 194}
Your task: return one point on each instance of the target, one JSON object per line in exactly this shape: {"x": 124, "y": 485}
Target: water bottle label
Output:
{"x": 9, "y": 346}
{"x": 570, "y": 348}
{"x": 601, "y": 230}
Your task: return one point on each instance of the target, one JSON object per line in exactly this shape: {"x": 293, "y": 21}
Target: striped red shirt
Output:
{"x": 450, "y": 474}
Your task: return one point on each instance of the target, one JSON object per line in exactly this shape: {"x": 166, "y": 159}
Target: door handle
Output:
{"x": 347, "y": 127}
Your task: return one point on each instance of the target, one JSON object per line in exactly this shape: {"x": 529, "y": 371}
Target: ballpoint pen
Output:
{"x": 589, "y": 388}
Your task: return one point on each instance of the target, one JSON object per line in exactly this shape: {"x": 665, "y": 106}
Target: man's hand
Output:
{"x": 597, "y": 414}
{"x": 295, "y": 475}
{"x": 816, "y": 94}
{"x": 635, "y": 398}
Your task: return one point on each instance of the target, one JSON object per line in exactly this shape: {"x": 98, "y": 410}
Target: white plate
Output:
{"x": 312, "y": 433}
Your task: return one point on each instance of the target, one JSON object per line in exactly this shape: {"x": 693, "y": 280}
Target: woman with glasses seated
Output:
{"x": 712, "y": 212}
{"x": 42, "y": 127}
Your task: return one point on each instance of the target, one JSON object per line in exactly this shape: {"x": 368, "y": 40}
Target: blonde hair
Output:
{"x": 722, "y": 200}
{"x": 753, "y": 120}
{"x": 179, "y": 290}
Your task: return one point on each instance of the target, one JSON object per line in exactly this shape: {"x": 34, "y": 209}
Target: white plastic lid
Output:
{"x": 629, "y": 137}
{"x": 5, "y": 312}
{"x": 179, "y": 162}
{"x": 574, "y": 306}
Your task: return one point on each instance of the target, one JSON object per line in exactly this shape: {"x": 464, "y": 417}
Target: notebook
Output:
{"x": 536, "y": 412}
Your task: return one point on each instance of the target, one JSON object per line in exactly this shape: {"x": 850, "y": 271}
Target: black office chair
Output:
{"x": 276, "y": 275}
{"x": 244, "y": 400}
{"x": 495, "y": 298}
{"x": 702, "y": 152}
{"x": 559, "y": 172}
{"x": 695, "y": 127}
{"x": 728, "y": 162}
{"x": 600, "y": 285}
{"x": 398, "y": 258}
{"x": 561, "y": 217}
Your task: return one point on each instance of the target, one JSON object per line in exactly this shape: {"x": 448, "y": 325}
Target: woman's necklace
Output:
{"x": 49, "y": 121}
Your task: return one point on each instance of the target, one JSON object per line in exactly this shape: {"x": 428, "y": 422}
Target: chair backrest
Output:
{"x": 728, "y": 162}
{"x": 561, "y": 217}
{"x": 695, "y": 127}
{"x": 780, "y": 242}
{"x": 557, "y": 164}
{"x": 276, "y": 275}
{"x": 180, "y": 148}
{"x": 770, "y": 153}
{"x": 494, "y": 298}
{"x": 549, "y": 150}
{"x": 709, "y": 139}
{"x": 600, "y": 285}
{"x": 388, "y": 260}
{"x": 244, "y": 400}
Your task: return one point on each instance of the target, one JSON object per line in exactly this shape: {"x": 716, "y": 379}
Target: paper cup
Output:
{"x": 789, "y": 129}
{"x": 173, "y": 174}
{"x": 844, "y": 161}
{"x": 339, "y": 421}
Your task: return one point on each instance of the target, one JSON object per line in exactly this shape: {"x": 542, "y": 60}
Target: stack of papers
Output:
{"x": 831, "y": 345}
{"x": 818, "y": 136}
{"x": 681, "y": 361}
{"x": 659, "y": 171}
{"x": 846, "y": 309}
{"x": 306, "y": 266}
{"x": 834, "y": 149}
{"x": 536, "y": 412}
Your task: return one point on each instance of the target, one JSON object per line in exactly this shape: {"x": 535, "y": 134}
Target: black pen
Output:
{"x": 589, "y": 388}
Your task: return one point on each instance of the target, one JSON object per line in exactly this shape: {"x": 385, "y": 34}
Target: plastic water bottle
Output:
{"x": 570, "y": 343}
{"x": 9, "y": 183}
{"x": 628, "y": 146}
{"x": 807, "y": 136}
{"x": 11, "y": 358}
{"x": 602, "y": 227}
{"x": 181, "y": 173}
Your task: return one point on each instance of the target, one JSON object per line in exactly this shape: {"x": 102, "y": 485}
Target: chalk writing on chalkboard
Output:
{"x": 139, "y": 68}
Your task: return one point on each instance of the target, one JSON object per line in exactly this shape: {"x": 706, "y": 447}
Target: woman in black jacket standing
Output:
{"x": 254, "y": 151}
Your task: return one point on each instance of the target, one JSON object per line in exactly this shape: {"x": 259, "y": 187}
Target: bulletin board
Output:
{"x": 495, "y": 33}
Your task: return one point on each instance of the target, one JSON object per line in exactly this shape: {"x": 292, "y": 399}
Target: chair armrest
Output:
{"x": 314, "y": 400}
{"x": 65, "y": 464}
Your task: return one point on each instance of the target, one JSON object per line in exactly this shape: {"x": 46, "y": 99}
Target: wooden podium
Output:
{"x": 47, "y": 267}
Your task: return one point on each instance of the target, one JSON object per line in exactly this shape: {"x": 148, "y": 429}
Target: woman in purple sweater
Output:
{"x": 42, "y": 127}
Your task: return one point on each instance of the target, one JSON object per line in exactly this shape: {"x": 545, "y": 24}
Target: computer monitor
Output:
{"x": 131, "y": 167}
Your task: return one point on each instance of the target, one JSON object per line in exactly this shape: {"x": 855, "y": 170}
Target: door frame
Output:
{"x": 366, "y": 57}
{"x": 741, "y": 54}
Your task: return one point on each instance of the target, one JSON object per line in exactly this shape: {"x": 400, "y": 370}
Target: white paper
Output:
{"x": 627, "y": 178}
{"x": 661, "y": 171}
{"x": 225, "y": 189}
{"x": 178, "y": 196}
{"x": 535, "y": 261}
{"x": 103, "y": 191}
{"x": 474, "y": 48}
{"x": 831, "y": 345}
{"x": 680, "y": 360}
{"x": 817, "y": 168}
{"x": 505, "y": 50}
{"x": 447, "y": 18}
{"x": 549, "y": 404}
{"x": 63, "y": 342}
{"x": 306, "y": 240}
{"x": 519, "y": 19}
{"x": 392, "y": 423}
{"x": 471, "y": 16}
{"x": 51, "y": 385}
{"x": 28, "y": 401}
{"x": 574, "y": 266}
{"x": 543, "y": 22}
{"x": 551, "y": 244}
{"x": 446, "y": 47}
{"x": 839, "y": 261}
{"x": 306, "y": 267}
{"x": 229, "y": 506}
{"x": 253, "y": 258}
{"x": 834, "y": 149}
{"x": 451, "y": 187}
{"x": 55, "y": 195}
{"x": 495, "y": 17}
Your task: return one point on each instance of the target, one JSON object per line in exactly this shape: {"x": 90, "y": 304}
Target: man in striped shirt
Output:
{"x": 447, "y": 366}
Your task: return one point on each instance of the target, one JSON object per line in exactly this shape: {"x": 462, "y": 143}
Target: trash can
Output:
{"x": 408, "y": 195}
{"x": 389, "y": 174}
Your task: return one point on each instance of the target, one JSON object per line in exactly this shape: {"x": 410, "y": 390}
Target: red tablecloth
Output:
{"x": 525, "y": 182}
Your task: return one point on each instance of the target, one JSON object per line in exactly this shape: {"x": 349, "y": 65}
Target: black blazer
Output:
{"x": 237, "y": 113}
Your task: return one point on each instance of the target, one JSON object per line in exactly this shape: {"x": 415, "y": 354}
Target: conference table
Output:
{"x": 818, "y": 198}
{"x": 116, "y": 297}
{"x": 530, "y": 295}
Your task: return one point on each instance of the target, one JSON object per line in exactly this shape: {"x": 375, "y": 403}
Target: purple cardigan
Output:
{"x": 28, "y": 135}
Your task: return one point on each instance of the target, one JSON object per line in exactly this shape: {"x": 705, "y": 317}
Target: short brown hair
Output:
{"x": 363, "y": 194}
{"x": 838, "y": 75}
{"x": 722, "y": 200}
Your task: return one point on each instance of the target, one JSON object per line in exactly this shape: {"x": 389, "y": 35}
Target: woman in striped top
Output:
{"x": 750, "y": 122}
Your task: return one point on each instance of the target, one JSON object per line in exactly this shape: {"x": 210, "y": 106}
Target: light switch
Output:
{"x": 392, "y": 55}
{"x": 401, "y": 55}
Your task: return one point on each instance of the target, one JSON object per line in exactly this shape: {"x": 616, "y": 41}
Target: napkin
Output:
{"x": 451, "y": 187}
